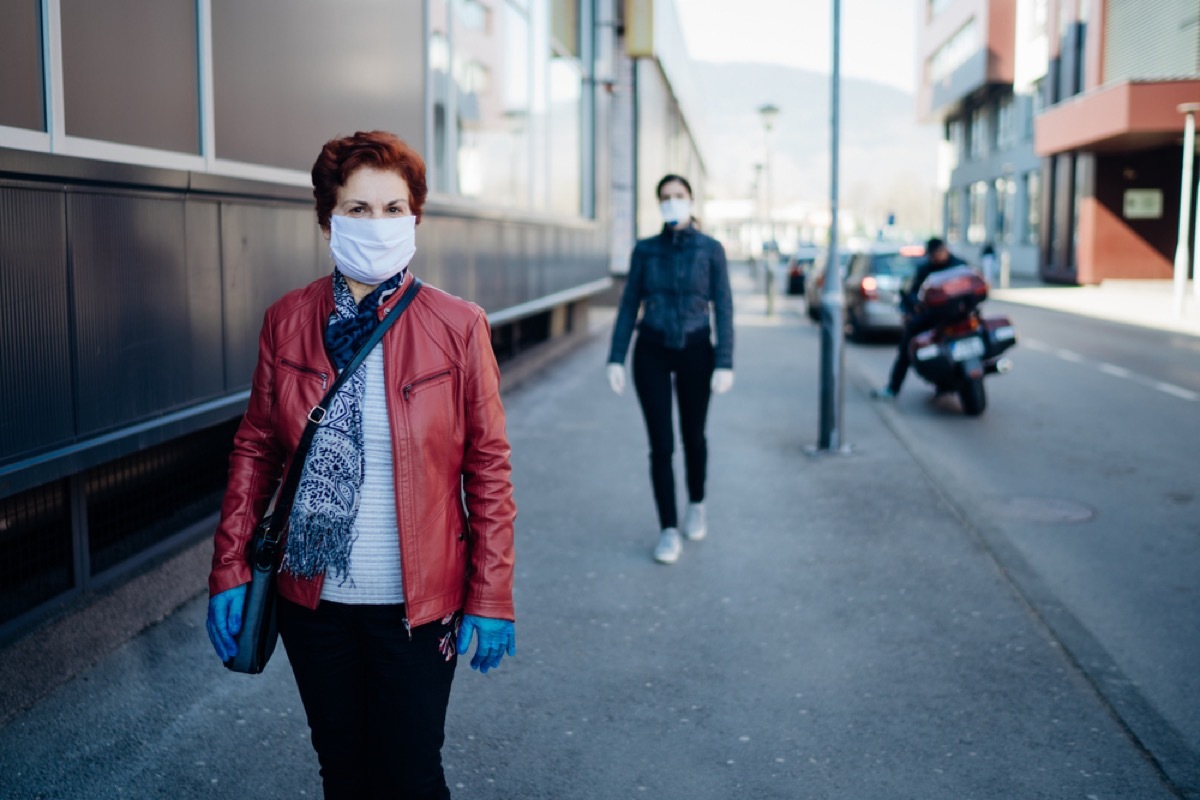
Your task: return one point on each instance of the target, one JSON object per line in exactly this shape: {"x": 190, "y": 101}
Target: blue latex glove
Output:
{"x": 496, "y": 637}
{"x": 225, "y": 620}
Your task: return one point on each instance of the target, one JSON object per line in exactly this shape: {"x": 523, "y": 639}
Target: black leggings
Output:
{"x": 653, "y": 366}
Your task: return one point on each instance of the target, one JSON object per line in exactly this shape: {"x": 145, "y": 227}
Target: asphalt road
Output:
{"x": 853, "y": 627}
{"x": 1083, "y": 477}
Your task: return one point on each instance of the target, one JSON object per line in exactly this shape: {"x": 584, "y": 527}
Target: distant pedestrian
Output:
{"x": 400, "y": 541}
{"x": 987, "y": 257}
{"x": 917, "y": 319}
{"x": 680, "y": 282}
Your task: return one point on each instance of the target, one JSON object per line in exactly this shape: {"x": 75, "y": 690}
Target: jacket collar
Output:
{"x": 671, "y": 234}
{"x": 384, "y": 307}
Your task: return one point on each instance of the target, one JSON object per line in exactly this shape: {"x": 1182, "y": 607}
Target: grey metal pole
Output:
{"x": 1185, "y": 202}
{"x": 833, "y": 302}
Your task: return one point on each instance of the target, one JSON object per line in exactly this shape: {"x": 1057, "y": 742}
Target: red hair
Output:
{"x": 340, "y": 158}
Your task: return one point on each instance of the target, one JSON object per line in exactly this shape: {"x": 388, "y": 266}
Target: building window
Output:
{"x": 956, "y": 136}
{"x": 1006, "y": 123}
{"x": 1006, "y": 200}
{"x": 979, "y": 134}
{"x": 507, "y": 103}
{"x": 977, "y": 229}
{"x": 935, "y": 7}
{"x": 954, "y": 53}
{"x": 1033, "y": 206}
{"x": 953, "y": 216}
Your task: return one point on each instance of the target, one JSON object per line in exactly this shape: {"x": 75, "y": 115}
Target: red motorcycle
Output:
{"x": 963, "y": 346}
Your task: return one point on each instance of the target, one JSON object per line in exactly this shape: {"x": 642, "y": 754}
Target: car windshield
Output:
{"x": 894, "y": 264}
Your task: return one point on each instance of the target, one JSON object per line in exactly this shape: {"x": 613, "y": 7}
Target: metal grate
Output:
{"x": 35, "y": 548}
{"x": 146, "y": 498}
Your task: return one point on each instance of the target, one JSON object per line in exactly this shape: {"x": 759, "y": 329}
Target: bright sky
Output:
{"x": 878, "y": 36}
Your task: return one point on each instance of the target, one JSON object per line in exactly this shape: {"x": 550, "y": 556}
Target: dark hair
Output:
{"x": 933, "y": 244}
{"x": 378, "y": 149}
{"x": 671, "y": 179}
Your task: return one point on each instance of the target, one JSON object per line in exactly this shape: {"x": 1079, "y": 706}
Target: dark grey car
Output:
{"x": 873, "y": 285}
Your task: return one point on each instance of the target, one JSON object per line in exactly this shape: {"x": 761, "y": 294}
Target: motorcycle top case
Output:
{"x": 953, "y": 291}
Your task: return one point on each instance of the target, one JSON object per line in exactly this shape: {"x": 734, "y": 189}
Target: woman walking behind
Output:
{"x": 383, "y": 559}
{"x": 679, "y": 281}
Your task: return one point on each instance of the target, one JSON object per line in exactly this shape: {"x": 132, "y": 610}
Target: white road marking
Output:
{"x": 1114, "y": 370}
{"x": 1177, "y": 391}
{"x": 1069, "y": 355}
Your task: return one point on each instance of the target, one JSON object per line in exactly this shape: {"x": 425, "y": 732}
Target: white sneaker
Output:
{"x": 695, "y": 526}
{"x": 669, "y": 547}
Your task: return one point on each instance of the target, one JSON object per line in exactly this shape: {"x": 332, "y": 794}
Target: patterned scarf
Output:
{"x": 321, "y": 525}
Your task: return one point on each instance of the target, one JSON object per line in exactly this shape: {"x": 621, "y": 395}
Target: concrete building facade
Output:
{"x": 155, "y": 198}
{"x": 1062, "y": 139}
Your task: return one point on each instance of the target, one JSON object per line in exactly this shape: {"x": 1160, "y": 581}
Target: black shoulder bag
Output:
{"x": 256, "y": 640}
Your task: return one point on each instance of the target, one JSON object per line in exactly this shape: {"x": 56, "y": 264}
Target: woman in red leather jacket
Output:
{"x": 400, "y": 541}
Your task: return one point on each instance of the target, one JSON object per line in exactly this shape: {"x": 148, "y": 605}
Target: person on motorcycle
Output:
{"x": 937, "y": 258}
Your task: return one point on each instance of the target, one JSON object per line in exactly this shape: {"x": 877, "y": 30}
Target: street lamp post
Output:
{"x": 757, "y": 227}
{"x": 833, "y": 302}
{"x": 1185, "y": 207}
{"x": 768, "y": 113}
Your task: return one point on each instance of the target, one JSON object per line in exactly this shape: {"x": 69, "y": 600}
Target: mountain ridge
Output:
{"x": 888, "y": 160}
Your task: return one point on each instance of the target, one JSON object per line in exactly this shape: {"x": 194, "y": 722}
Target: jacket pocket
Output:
{"x": 426, "y": 382}
{"x": 298, "y": 387}
{"x": 429, "y": 402}
{"x": 301, "y": 371}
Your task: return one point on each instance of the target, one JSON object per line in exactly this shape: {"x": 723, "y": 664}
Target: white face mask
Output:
{"x": 676, "y": 210}
{"x": 372, "y": 250}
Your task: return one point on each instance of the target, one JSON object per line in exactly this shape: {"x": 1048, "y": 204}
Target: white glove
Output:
{"x": 722, "y": 381}
{"x": 616, "y": 377}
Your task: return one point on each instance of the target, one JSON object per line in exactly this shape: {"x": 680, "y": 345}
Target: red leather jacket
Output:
{"x": 448, "y": 444}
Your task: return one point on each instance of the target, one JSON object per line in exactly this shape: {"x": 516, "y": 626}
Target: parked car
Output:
{"x": 872, "y": 284}
{"x": 815, "y": 282}
{"x": 799, "y": 265}
{"x": 873, "y": 287}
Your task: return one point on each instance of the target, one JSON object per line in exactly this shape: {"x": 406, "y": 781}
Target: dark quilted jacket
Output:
{"x": 680, "y": 282}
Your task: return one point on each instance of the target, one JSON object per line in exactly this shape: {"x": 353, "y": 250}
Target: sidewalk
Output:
{"x": 1149, "y": 304}
{"x": 842, "y": 633}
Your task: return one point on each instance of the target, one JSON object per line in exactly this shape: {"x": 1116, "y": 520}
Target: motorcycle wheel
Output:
{"x": 973, "y": 397}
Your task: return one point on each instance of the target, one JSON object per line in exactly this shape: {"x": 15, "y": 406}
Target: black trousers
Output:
{"x": 918, "y": 323}
{"x": 654, "y": 366}
{"x": 376, "y": 701}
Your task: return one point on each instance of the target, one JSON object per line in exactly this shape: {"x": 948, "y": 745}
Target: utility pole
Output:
{"x": 833, "y": 302}
{"x": 1185, "y": 208}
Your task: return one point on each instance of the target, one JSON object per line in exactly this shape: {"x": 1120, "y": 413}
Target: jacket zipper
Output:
{"x": 322, "y": 375}
{"x": 409, "y": 388}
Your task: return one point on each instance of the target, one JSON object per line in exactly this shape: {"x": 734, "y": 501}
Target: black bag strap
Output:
{"x": 283, "y": 503}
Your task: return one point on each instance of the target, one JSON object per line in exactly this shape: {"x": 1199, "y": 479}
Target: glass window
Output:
{"x": 977, "y": 229}
{"x": 935, "y": 7}
{"x": 979, "y": 134}
{"x": 895, "y": 264}
{"x": 1006, "y": 199}
{"x": 284, "y": 80}
{"x": 957, "y": 136}
{"x": 953, "y": 215}
{"x": 954, "y": 53}
{"x": 565, "y": 168}
{"x": 1033, "y": 206}
{"x": 440, "y": 96}
{"x": 21, "y": 93}
{"x": 1006, "y": 123}
{"x": 564, "y": 26}
{"x": 491, "y": 64}
{"x": 506, "y": 102}
{"x": 130, "y": 72}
